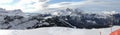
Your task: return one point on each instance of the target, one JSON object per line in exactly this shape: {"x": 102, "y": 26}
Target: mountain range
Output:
{"x": 72, "y": 18}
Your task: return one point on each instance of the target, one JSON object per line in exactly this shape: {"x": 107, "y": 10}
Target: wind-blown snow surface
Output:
{"x": 59, "y": 31}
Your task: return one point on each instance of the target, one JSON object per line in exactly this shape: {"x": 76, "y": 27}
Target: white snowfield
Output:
{"x": 59, "y": 31}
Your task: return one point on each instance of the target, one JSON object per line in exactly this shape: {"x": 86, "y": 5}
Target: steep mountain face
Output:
{"x": 82, "y": 21}
{"x": 15, "y": 11}
{"x": 20, "y": 22}
{"x": 2, "y": 10}
{"x": 73, "y": 18}
{"x": 10, "y": 11}
{"x": 116, "y": 19}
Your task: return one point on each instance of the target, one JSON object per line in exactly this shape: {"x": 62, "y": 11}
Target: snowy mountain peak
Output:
{"x": 10, "y": 11}
{"x": 110, "y": 12}
{"x": 15, "y": 11}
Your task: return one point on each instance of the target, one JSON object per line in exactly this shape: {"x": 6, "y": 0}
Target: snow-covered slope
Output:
{"x": 60, "y": 31}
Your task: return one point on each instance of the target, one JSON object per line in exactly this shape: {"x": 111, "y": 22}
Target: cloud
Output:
{"x": 91, "y": 5}
{"x": 65, "y": 4}
{"x": 32, "y": 5}
{"x": 36, "y": 5}
{"x": 5, "y": 1}
{"x": 25, "y": 5}
{"x": 99, "y": 5}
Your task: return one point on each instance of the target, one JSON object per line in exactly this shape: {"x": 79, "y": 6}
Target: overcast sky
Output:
{"x": 35, "y": 5}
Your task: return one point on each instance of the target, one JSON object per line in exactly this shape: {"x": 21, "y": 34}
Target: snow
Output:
{"x": 48, "y": 17}
{"x": 59, "y": 31}
{"x": 2, "y": 19}
{"x": 56, "y": 13}
{"x": 109, "y": 12}
{"x": 15, "y": 22}
{"x": 52, "y": 30}
{"x": 25, "y": 25}
{"x": 6, "y": 32}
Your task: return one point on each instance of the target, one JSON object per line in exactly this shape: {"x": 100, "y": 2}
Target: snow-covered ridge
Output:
{"x": 10, "y": 11}
{"x": 73, "y": 18}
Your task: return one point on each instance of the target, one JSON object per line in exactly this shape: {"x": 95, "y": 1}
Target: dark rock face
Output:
{"x": 116, "y": 19}
{"x": 81, "y": 21}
